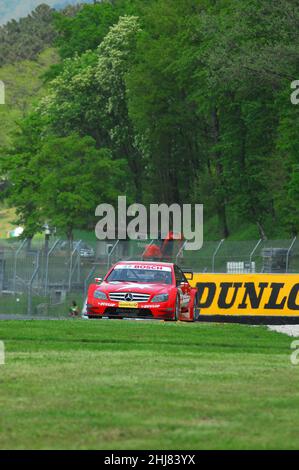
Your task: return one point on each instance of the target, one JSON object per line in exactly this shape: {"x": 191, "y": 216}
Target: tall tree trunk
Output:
{"x": 29, "y": 243}
{"x": 70, "y": 239}
{"x": 261, "y": 231}
{"x": 220, "y": 183}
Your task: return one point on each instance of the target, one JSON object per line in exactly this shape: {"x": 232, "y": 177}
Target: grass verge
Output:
{"x": 140, "y": 385}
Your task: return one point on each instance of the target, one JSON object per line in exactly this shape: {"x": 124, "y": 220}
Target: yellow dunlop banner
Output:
{"x": 247, "y": 294}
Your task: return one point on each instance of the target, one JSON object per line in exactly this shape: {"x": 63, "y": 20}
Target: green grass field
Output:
{"x": 139, "y": 385}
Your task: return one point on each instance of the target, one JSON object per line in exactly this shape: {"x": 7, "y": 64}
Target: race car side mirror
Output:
{"x": 98, "y": 280}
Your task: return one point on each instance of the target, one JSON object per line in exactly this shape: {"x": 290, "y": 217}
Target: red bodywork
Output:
{"x": 125, "y": 299}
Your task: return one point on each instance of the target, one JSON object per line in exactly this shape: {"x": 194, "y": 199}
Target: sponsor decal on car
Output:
{"x": 150, "y": 306}
{"x": 143, "y": 267}
{"x": 128, "y": 304}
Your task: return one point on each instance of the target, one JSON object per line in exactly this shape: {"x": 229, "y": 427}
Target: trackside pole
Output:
{"x": 15, "y": 265}
{"x": 109, "y": 255}
{"x": 90, "y": 274}
{"x": 180, "y": 251}
{"x": 47, "y": 265}
{"x": 253, "y": 251}
{"x": 215, "y": 254}
{"x": 29, "y": 306}
{"x": 77, "y": 247}
{"x": 288, "y": 254}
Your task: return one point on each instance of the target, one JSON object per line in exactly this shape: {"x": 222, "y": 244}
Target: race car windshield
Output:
{"x": 140, "y": 276}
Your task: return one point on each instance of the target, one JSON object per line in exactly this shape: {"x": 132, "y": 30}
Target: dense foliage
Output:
{"x": 23, "y": 86}
{"x": 16, "y": 9}
{"x": 194, "y": 96}
{"x": 16, "y": 37}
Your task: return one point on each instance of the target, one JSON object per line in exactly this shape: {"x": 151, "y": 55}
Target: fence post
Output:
{"x": 77, "y": 246}
{"x": 253, "y": 251}
{"x": 47, "y": 266}
{"x": 91, "y": 273}
{"x": 35, "y": 272}
{"x": 180, "y": 251}
{"x": 15, "y": 265}
{"x": 109, "y": 255}
{"x": 288, "y": 253}
{"x": 215, "y": 254}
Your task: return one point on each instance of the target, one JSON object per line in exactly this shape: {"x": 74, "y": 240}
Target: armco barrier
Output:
{"x": 265, "y": 295}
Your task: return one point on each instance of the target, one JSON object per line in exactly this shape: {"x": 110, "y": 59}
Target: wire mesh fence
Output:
{"x": 39, "y": 279}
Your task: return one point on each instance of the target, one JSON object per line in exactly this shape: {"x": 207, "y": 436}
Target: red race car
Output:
{"x": 134, "y": 289}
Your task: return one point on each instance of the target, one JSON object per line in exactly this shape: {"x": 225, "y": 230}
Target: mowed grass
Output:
{"x": 139, "y": 385}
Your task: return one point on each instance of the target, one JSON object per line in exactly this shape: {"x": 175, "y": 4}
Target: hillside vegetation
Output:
{"x": 165, "y": 101}
{"x": 26, "y": 38}
{"x": 15, "y": 9}
{"x": 23, "y": 86}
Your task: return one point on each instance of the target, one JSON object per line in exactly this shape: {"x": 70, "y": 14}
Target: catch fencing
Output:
{"x": 39, "y": 279}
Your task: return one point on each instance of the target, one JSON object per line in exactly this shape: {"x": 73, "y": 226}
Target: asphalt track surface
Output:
{"x": 290, "y": 330}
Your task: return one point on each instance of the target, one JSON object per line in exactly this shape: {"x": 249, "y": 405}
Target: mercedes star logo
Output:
{"x": 128, "y": 297}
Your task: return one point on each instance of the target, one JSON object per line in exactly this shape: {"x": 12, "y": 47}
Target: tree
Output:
{"x": 251, "y": 51}
{"x": 159, "y": 88}
{"x": 74, "y": 178}
{"x": 60, "y": 180}
{"x": 194, "y": 95}
{"x": 86, "y": 30}
{"x": 116, "y": 55}
{"x": 16, "y": 164}
{"x": 16, "y": 36}
{"x": 89, "y": 97}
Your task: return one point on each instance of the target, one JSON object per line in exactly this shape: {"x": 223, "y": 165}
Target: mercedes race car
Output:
{"x": 134, "y": 289}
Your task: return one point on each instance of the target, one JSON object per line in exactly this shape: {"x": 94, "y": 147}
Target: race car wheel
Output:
{"x": 195, "y": 310}
{"x": 177, "y": 309}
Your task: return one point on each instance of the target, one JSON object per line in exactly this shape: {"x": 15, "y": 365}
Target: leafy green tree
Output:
{"x": 72, "y": 103}
{"x": 193, "y": 95}
{"x": 60, "y": 180}
{"x": 16, "y": 165}
{"x": 74, "y": 178}
{"x": 89, "y": 97}
{"x": 158, "y": 88}
{"x": 16, "y": 37}
{"x": 86, "y": 30}
{"x": 250, "y": 51}
{"x": 116, "y": 54}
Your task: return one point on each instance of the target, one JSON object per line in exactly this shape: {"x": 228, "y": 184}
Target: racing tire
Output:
{"x": 177, "y": 310}
{"x": 195, "y": 310}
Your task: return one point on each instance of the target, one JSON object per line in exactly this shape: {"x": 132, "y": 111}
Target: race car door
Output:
{"x": 183, "y": 288}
